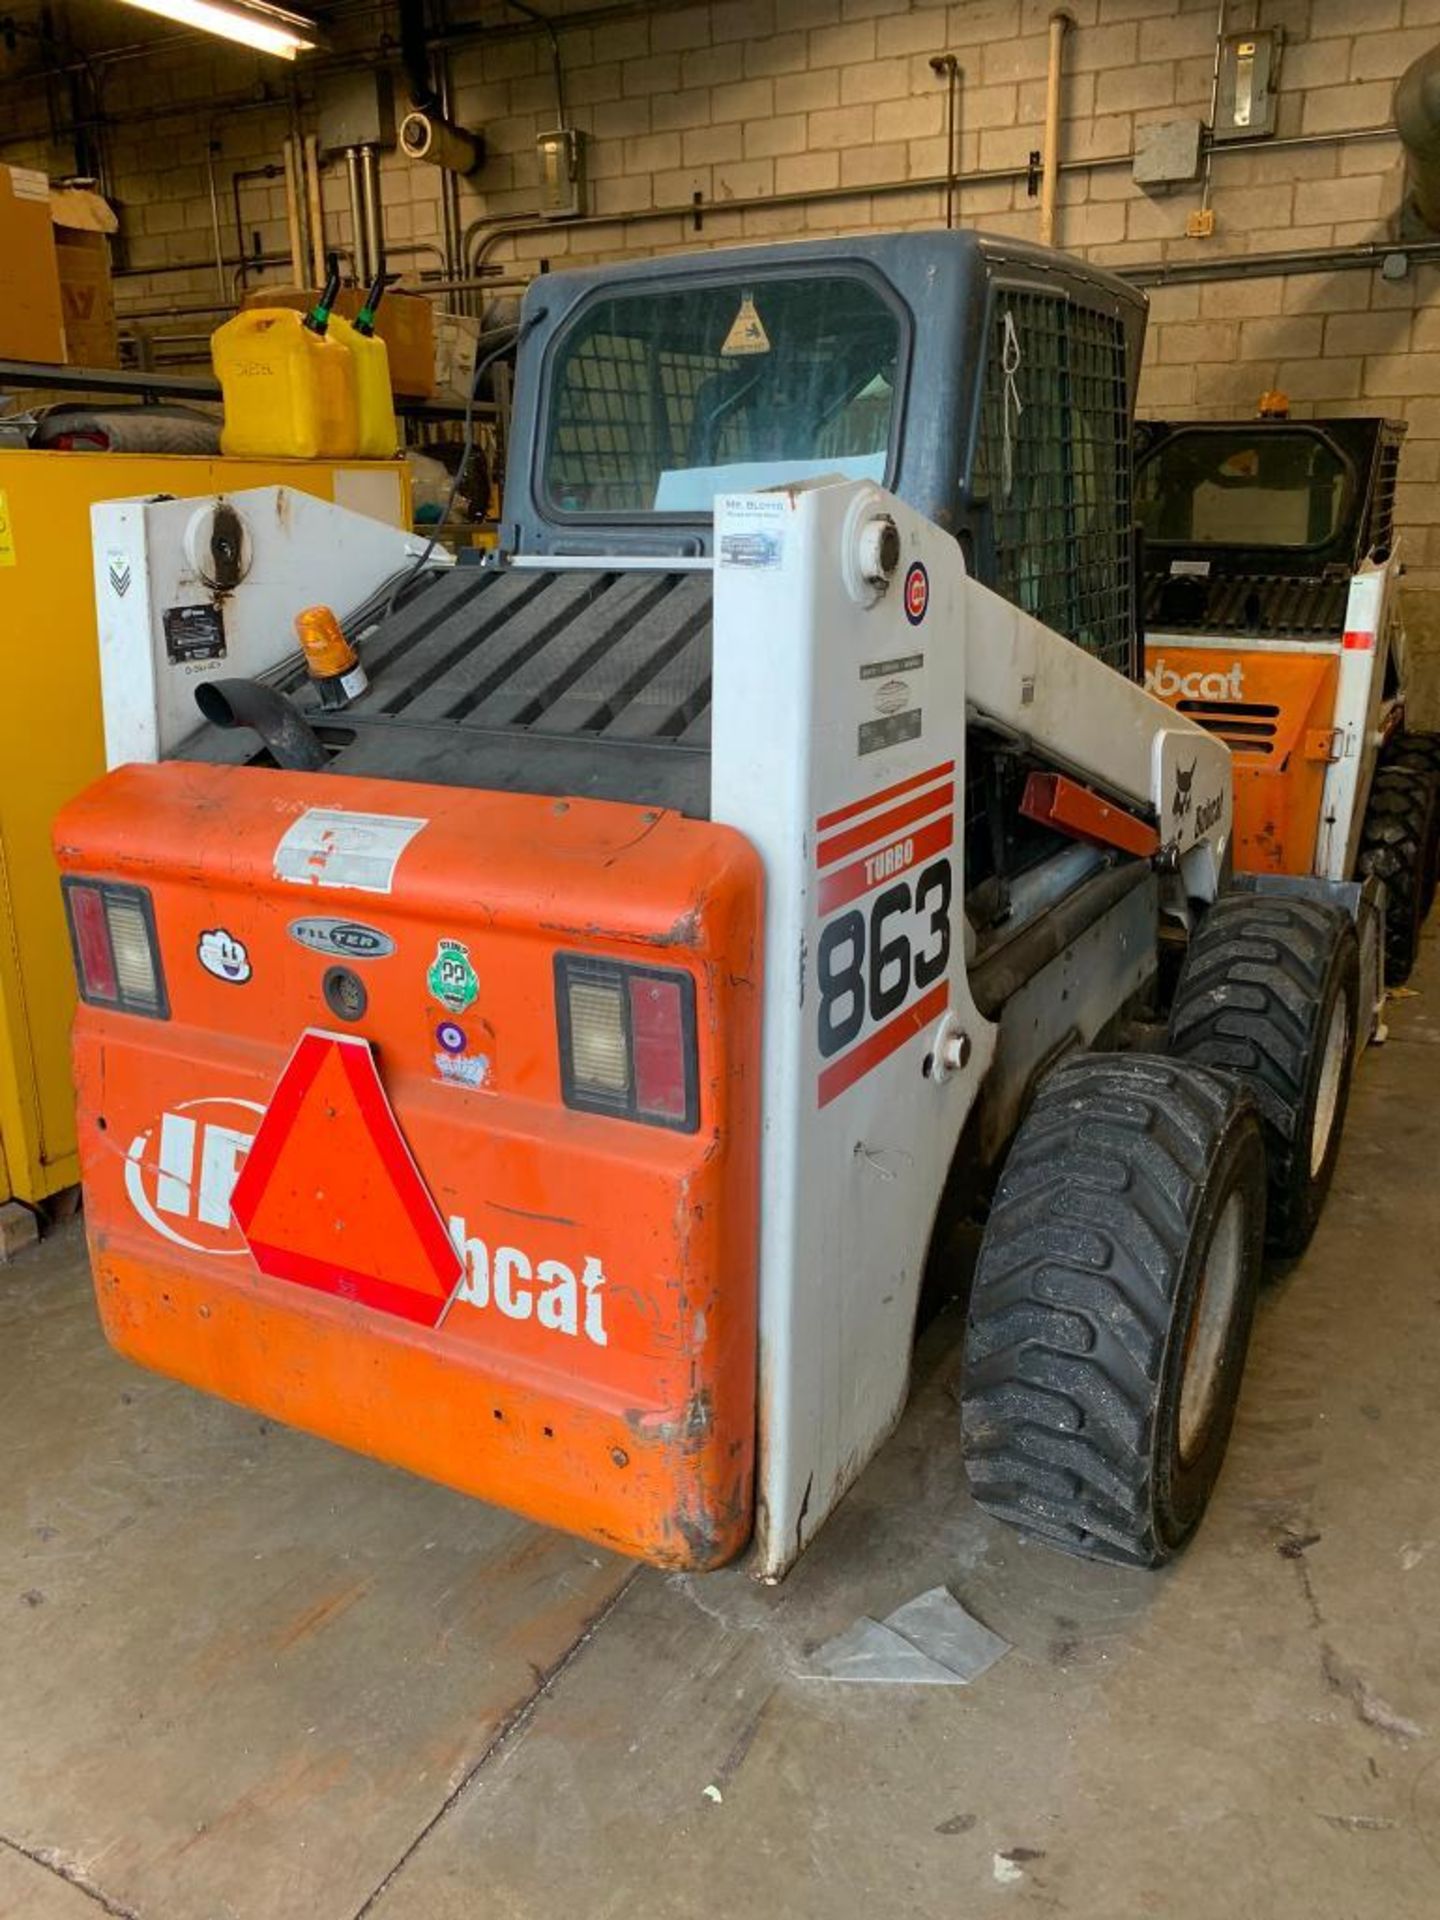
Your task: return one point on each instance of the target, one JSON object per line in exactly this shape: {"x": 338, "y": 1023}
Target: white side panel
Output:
{"x": 839, "y": 750}
{"x": 856, "y": 1139}
{"x": 124, "y": 618}
{"x": 1368, "y": 613}
{"x": 154, "y": 629}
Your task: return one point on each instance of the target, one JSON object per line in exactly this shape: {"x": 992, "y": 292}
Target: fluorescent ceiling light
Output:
{"x": 252, "y": 22}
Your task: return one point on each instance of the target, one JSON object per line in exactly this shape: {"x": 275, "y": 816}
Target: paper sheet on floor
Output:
{"x": 930, "y": 1641}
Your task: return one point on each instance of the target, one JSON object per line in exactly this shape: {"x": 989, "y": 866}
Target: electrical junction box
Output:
{"x": 355, "y": 110}
{"x": 562, "y": 173}
{"x": 1167, "y": 154}
{"x": 1249, "y": 79}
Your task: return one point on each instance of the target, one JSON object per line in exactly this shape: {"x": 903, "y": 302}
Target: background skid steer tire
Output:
{"x": 1269, "y": 991}
{"x": 1112, "y": 1306}
{"x": 1400, "y": 841}
{"x": 1420, "y": 752}
{"x": 1414, "y": 749}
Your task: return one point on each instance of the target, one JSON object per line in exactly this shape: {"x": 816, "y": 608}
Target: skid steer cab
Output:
{"x": 1272, "y": 617}
{"x": 555, "y": 1069}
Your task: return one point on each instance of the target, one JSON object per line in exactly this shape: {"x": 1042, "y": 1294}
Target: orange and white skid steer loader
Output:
{"x": 554, "y": 1069}
{"x": 1272, "y": 616}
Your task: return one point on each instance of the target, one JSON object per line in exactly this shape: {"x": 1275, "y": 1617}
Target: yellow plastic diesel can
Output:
{"x": 288, "y": 390}
{"x": 376, "y": 437}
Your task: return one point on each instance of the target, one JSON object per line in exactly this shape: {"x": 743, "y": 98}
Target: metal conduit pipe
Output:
{"x": 547, "y": 27}
{"x": 1367, "y": 254}
{"x": 947, "y": 67}
{"x": 482, "y": 236}
{"x": 315, "y": 201}
{"x": 364, "y": 272}
{"x": 1060, "y": 24}
{"x": 192, "y": 310}
{"x": 374, "y": 219}
{"x": 1362, "y": 256}
{"x": 212, "y": 153}
{"x": 241, "y": 177}
{"x": 293, "y": 226}
{"x": 262, "y": 260}
{"x": 1417, "y": 121}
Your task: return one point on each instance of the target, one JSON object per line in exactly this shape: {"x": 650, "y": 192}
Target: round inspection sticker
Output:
{"x": 917, "y": 594}
{"x": 450, "y": 1037}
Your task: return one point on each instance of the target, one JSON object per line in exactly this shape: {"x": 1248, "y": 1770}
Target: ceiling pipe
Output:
{"x": 1417, "y": 121}
{"x": 947, "y": 68}
{"x": 1060, "y": 24}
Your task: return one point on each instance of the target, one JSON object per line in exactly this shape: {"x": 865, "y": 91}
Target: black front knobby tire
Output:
{"x": 1270, "y": 992}
{"x": 1090, "y": 1284}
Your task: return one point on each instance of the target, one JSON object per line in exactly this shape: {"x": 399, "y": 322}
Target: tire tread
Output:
{"x": 1089, "y": 1229}
{"x": 1250, "y": 1001}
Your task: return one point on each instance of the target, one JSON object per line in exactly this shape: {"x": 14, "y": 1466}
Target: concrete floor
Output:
{"x": 246, "y": 1676}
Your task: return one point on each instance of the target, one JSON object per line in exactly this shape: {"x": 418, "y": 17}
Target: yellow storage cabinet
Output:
{"x": 52, "y": 742}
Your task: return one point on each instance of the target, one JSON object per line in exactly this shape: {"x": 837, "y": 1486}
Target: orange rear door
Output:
{"x": 441, "y": 1140}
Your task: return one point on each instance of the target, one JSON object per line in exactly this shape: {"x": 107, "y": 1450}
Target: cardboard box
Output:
{"x": 83, "y": 224}
{"x": 31, "y": 322}
{"x": 404, "y": 321}
{"x": 457, "y": 343}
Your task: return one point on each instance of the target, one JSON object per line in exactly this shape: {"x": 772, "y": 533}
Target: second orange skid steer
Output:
{"x": 554, "y": 1069}
{"x": 1272, "y": 608}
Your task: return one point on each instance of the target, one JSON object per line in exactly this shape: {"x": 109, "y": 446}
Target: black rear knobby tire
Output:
{"x": 1419, "y": 753}
{"x": 1413, "y": 749}
{"x": 1270, "y": 992}
{"x": 1089, "y": 1291}
{"x": 1400, "y": 843}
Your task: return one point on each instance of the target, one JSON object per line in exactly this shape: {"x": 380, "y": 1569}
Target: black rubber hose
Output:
{"x": 274, "y": 716}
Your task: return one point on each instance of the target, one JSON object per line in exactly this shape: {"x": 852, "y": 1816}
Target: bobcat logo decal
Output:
{"x": 1180, "y": 805}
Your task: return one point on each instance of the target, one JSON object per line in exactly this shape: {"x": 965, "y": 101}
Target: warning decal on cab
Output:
{"x": 330, "y": 1196}
{"x": 886, "y": 881}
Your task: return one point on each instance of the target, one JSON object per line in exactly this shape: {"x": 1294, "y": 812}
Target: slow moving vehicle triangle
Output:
{"x": 330, "y": 1196}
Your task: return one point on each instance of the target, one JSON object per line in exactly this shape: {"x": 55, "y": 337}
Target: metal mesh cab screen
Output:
{"x": 1053, "y": 463}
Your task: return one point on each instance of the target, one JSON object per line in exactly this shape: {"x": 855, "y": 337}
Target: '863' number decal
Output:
{"x": 886, "y": 885}
{"x": 871, "y": 961}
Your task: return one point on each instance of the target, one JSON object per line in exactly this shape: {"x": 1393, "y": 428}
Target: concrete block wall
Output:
{"x": 818, "y": 117}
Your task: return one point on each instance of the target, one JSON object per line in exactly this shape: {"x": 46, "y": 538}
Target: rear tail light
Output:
{"x": 627, "y": 1041}
{"x": 117, "y": 957}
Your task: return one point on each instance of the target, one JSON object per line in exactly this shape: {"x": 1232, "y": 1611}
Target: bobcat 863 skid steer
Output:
{"x": 555, "y": 1071}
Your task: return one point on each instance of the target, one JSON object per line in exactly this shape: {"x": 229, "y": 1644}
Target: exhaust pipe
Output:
{"x": 282, "y": 728}
{"x": 1417, "y": 121}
